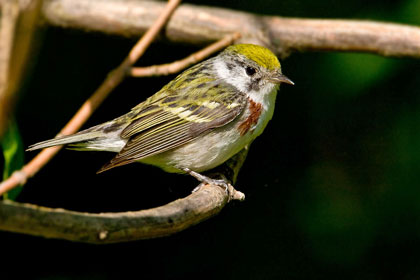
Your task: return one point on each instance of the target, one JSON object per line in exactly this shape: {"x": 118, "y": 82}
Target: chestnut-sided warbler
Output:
{"x": 197, "y": 121}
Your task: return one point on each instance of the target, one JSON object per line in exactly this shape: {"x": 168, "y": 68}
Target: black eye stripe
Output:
{"x": 250, "y": 70}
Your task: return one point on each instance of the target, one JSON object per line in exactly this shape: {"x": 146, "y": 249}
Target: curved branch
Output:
{"x": 103, "y": 228}
{"x": 199, "y": 25}
{"x": 115, "y": 227}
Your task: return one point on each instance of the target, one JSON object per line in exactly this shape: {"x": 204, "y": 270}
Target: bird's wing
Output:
{"x": 175, "y": 116}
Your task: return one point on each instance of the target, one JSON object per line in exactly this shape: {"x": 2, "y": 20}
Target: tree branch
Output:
{"x": 201, "y": 25}
{"x": 114, "y": 227}
{"x": 381, "y": 38}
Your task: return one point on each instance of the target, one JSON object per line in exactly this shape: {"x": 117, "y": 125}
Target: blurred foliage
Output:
{"x": 332, "y": 184}
{"x": 13, "y": 154}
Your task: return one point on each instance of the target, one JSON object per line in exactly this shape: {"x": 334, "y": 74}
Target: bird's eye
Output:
{"x": 250, "y": 71}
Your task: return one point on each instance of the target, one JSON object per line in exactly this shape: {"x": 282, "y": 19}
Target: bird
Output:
{"x": 197, "y": 121}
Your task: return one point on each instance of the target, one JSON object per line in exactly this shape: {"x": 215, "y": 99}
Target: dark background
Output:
{"x": 332, "y": 186}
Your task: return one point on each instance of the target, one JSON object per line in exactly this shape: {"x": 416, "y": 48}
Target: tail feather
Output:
{"x": 68, "y": 139}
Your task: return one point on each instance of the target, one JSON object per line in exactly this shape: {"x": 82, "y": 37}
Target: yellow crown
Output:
{"x": 261, "y": 55}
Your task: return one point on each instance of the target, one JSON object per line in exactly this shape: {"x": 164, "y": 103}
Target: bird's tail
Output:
{"x": 77, "y": 139}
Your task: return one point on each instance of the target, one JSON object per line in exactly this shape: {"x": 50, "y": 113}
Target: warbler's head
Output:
{"x": 250, "y": 68}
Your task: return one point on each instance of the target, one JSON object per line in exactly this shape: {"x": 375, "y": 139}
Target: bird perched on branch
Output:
{"x": 197, "y": 121}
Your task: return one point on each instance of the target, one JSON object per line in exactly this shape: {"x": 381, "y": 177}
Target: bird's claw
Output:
{"x": 223, "y": 183}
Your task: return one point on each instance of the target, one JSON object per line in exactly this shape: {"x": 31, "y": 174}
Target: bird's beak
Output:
{"x": 278, "y": 78}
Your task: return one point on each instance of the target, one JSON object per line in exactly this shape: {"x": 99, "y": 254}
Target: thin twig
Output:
{"x": 114, "y": 78}
{"x": 176, "y": 66}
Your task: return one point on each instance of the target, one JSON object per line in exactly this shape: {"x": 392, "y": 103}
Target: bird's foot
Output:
{"x": 223, "y": 183}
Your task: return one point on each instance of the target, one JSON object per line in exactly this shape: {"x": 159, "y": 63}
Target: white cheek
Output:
{"x": 238, "y": 80}
{"x": 266, "y": 94}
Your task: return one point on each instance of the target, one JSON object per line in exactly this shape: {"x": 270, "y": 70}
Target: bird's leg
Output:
{"x": 224, "y": 183}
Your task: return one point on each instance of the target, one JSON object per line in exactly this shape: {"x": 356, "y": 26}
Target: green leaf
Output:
{"x": 13, "y": 154}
